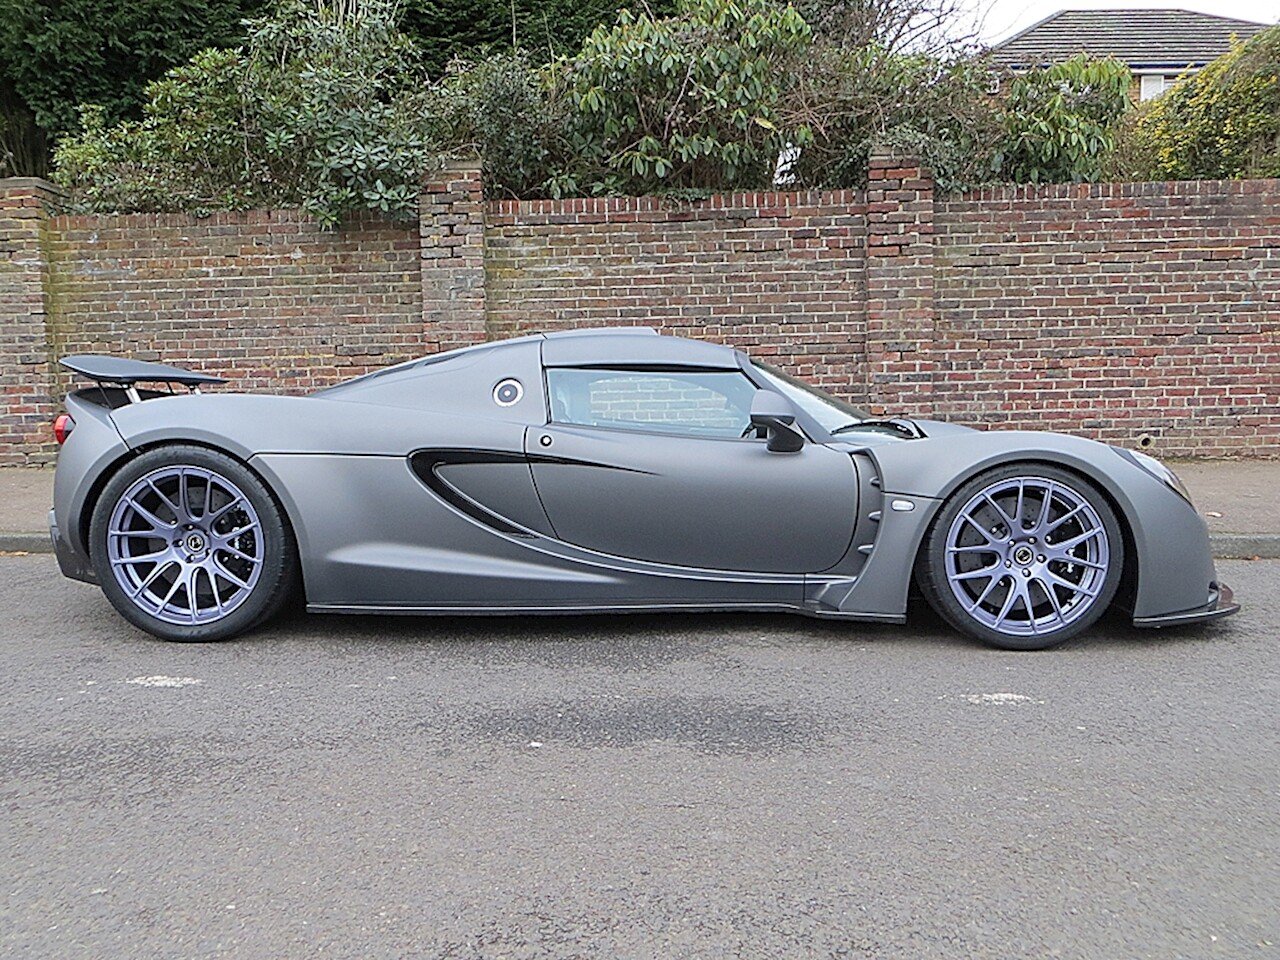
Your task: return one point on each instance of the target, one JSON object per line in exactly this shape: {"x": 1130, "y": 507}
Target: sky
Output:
{"x": 1005, "y": 17}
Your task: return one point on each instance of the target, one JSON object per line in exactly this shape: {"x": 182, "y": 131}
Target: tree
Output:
{"x": 854, "y": 98}
{"x": 937, "y": 28}
{"x": 1222, "y": 122}
{"x": 692, "y": 101}
{"x": 542, "y": 29}
{"x": 1061, "y": 120}
{"x": 58, "y": 54}
{"x": 24, "y": 147}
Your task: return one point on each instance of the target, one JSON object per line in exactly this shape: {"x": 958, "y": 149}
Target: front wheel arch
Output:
{"x": 1127, "y": 581}
{"x": 1129, "y": 573}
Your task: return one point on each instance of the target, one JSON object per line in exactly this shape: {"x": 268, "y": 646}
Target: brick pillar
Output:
{"x": 451, "y": 231}
{"x": 27, "y": 382}
{"x": 900, "y": 305}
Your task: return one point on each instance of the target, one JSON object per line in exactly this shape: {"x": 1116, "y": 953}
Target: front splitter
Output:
{"x": 1222, "y": 604}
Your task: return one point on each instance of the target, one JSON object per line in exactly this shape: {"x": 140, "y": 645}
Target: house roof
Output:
{"x": 1140, "y": 38}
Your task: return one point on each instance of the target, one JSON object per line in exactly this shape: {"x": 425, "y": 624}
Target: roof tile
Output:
{"x": 1174, "y": 39}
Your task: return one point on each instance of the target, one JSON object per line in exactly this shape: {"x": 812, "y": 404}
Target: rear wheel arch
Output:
{"x": 214, "y": 552}
{"x": 85, "y": 519}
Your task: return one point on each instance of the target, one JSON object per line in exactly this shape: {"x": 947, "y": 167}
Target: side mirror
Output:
{"x": 773, "y": 413}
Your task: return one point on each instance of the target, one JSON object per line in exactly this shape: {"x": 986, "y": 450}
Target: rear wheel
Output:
{"x": 1023, "y": 557}
{"x": 189, "y": 545}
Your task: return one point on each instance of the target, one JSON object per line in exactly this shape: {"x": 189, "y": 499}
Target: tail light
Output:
{"x": 62, "y": 428}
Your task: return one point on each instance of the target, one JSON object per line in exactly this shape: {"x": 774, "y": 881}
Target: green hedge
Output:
{"x": 333, "y": 107}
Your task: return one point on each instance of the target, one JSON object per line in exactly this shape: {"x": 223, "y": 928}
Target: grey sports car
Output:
{"x": 602, "y": 471}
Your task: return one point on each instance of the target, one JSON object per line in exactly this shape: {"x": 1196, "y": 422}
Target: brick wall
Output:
{"x": 782, "y": 274}
{"x": 451, "y": 220}
{"x": 265, "y": 298}
{"x": 1120, "y": 311}
{"x": 1128, "y": 312}
{"x": 26, "y": 401}
{"x": 901, "y": 363}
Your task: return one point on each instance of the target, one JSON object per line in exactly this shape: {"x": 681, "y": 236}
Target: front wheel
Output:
{"x": 1023, "y": 557}
{"x": 189, "y": 545}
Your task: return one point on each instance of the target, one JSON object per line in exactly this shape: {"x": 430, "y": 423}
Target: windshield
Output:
{"x": 832, "y": 414}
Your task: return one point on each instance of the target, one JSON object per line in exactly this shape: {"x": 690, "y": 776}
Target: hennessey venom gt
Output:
{"x": 602, "y": 471}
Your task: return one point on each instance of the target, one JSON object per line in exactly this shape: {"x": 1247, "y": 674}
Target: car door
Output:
{"x": 653, "y": 464}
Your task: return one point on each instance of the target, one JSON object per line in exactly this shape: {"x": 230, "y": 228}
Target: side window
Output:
{"x": 689, "y": 402}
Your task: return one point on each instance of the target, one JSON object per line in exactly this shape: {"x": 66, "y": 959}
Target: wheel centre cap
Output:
{"x": 1023, "y": 554}
{"x": 194, "y": 542}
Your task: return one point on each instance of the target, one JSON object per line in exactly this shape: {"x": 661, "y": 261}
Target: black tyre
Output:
{"x": 190, "y": 545}
{"x": 1023, "y": 557}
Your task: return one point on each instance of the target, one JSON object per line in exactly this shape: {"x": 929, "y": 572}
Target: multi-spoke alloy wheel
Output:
{"x": 185, "y": 545}
{"x": 189, "y": 545}
{"x": 1024, "y": 558}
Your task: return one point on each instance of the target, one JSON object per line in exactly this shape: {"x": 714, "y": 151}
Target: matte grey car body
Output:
{"x": 450, "y": 485}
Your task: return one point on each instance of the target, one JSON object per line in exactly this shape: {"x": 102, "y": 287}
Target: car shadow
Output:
{"x": 696, "y": 629}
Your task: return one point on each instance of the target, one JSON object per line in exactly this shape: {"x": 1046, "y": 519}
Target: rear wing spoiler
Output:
{"x": 126, "y": 373}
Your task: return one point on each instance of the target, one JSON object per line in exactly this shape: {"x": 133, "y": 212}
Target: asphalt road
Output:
{"x": 647, "y": 787}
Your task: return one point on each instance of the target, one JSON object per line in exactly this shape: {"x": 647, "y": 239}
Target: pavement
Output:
{"x": 1239, "y": 498}
{"x": 634, "y": 787}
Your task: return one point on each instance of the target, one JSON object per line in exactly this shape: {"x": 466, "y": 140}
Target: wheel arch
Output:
{"x": 1130, "y": 569}
{"x": 83, "y": 521}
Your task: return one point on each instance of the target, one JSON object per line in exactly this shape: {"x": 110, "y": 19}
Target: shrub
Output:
{"x": 854, "y": 99}
{"x": 1220, "y": 123}
{"x": 327, "y": 106}
{"x": 323, "y": 108}
{"x": 687, "y": 102}
{"x": 1060, "y": 121}
{"x": 187, "y": 154}
{"x": 504, "y": 110}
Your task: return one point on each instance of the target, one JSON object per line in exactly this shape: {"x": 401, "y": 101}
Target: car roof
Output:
{"x": 590, "y": 347}
{"x": 594, "y": 332}
{"x": 629, "y": 347}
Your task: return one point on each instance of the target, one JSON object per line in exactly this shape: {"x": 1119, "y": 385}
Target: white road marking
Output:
{"x": 163, "y": 681}
{"x": 999, "y": 698}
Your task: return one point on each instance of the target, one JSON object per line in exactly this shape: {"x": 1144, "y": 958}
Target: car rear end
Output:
{"x": 88, "y": 443}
